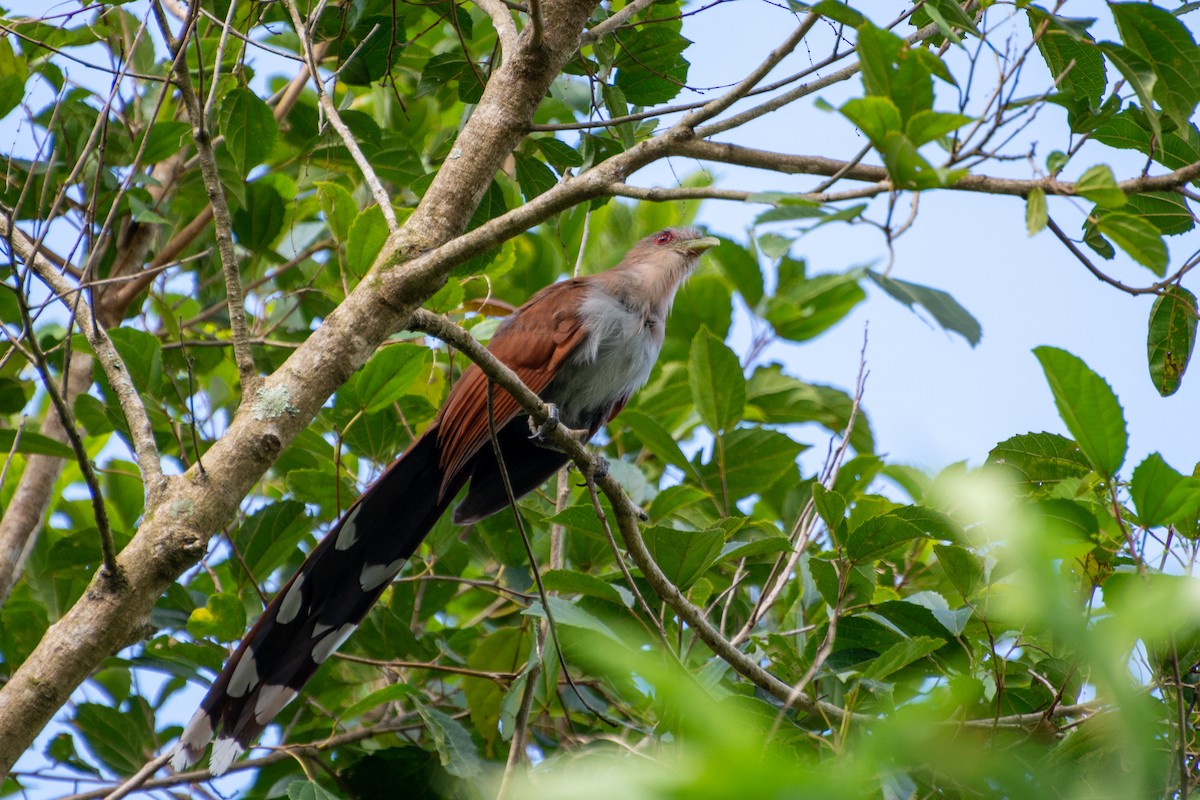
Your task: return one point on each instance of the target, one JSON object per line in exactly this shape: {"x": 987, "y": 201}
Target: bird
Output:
{"x": 584, "y": 345}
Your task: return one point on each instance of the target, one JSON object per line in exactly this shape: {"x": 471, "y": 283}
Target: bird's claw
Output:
{"x": 540, "y": 432}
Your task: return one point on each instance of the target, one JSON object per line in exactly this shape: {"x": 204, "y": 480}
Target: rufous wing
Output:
{"x": 534, "y": 343}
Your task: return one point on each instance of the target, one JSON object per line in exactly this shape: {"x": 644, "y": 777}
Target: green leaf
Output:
{"x": 752, "y": 459}
{"x": 655, "y": 438}
{"x": 830, "y": 505}
{"x": 260, "y": 220}
{"x": 33, "y": 443}
{"x": 142, "y": 354}
{"x": 533, "y": 176}
{"x": 741, "y": 268}
{"x": 453, "y": 744}
{"x": 1137, "y": 237}
{"x": 249, "y": 128}
{"x": 941, "y": 306}
{"x": 222, "y": 618}
{"x": 877, "y": 535}
{"x": 504, "y": 650}
{"x": 116, "y": 738}
{"x": 1089, "y": 408}
{"x": 558, "y": 154}
{"x": 839, "y": 12}
{"x": 962, "y": 567}
{"x": 1098, "y": 185}
{"x": 1172, "y": 338}
{"x": 926, "y": 126}
{"x": 874, "y": 116}
{"x": 1140, "y": 76}
{"x": 900, "y": 655}
{"x": 573, "y": 615}
{"x": 1160, "y": 494}
{"x": 1166, "y": 211}
{"x": 779, "y": 399}
{"x": 388, "y": 694}
{"x": 339, "y": 208}
{"x": 1134, "y": 129}
{"x": 271, "y": 535}
{"x": 804, "y": 307}
{"x": 308, "y": 790}
{"x": 1035, "y": 211}
{"x": 1074, "y": 60}
{"x": 367, "y": 235}
{"x": 717, "y": 384}
{"x": 1168, "y": 47}
{"x": 1041, "y": 459}
{"x": 572, "y": 582}
{"x": 390, "y": 374}
{"x": 891, "y": 69}
{"x": 684, "y": 556}
{"x": 650, "y": 65}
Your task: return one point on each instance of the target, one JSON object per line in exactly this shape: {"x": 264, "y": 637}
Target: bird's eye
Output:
{"x": 664, "y": 238}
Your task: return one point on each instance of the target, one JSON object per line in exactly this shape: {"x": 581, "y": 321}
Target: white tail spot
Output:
{"x": 348, "y": 534}
{"x": 290, "y": 606}
{"x": 375, "y": 575}
{"x": 224, "y": 753}
{"x": 193, "y": 741}
{"x": 245, "y": 676}
{"x": 271, "y": 701}
{"x": 332, "y": 642}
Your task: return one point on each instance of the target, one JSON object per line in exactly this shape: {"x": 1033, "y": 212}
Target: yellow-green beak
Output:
{"x": 703, "y": 243}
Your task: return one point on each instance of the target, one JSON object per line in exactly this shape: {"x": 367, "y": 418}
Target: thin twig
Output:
{"x": 220, "y": 208}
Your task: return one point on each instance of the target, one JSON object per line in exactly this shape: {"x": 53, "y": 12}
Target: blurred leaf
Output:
{"x": 1166, "y": 211}
{"x": 655, "y": 438}
{"x": 222, "y": 618}
{"x": 1035, "y": 211}
{"x": 142, "y": 354}
{"x": 900, "y": 655}
{"x": 339, "y": 208}
{"x": 1172, "y": 338}
{"x": 308, "y": 790}
{"x": 33, "y": 443}
{"x": 270, "y": 535}
{"x": 741, "y": 268}
{"x": 803, "y": 307}
{"x": 1089, "y": 408}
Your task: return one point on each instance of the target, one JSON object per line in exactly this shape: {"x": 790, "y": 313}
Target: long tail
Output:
{"x": 320, "y": 606}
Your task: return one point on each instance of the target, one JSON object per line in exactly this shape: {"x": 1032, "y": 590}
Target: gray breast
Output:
{"x": 611, "y": 363}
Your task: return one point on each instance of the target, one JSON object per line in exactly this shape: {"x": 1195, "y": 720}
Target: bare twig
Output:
{"x": 220, "y": 209}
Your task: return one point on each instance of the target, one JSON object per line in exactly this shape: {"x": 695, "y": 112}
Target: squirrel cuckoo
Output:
{"x": 584, "y": 345}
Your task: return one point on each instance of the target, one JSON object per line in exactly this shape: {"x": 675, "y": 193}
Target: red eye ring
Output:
{"x": 664, "y": 238}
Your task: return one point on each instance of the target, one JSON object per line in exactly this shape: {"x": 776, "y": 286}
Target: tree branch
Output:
{"x": 220, "y": 208}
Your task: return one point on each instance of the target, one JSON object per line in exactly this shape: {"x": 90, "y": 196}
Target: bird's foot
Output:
{"x": 539, "y": 434}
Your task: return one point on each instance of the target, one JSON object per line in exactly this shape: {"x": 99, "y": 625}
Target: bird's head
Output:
{"x": 685, "y": 243}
